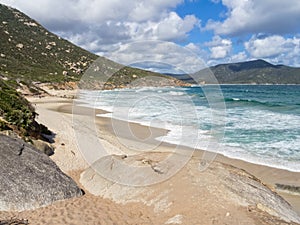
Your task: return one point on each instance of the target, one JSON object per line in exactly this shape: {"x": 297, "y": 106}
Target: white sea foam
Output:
{"x": 252, "y": 134}
{"x": 176, "y": 93}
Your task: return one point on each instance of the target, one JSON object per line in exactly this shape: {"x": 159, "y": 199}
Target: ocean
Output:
{"x": 258, "y": 123}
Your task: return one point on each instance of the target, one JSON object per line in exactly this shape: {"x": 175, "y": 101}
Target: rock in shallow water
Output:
{"x": 29, "y": 179}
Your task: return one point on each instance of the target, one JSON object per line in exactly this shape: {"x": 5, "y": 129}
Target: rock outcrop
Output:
{"x": 44, "y": 147}
{"x": 29, "y": 179}
{"x": 190, "y": 193}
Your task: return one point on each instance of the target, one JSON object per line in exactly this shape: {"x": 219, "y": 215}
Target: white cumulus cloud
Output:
{"x": 239, "y": 57}
{"x": 219, "y": 48}
{"x": 179, "y": 59}
{"x": 275, "y": 48}
{"x": 171, "y": 28}
{"x": 255, "y": 16}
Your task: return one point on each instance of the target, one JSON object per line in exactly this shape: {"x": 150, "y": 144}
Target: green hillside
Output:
{"x": 251, "y": 72}
{"x": 256, "y": 72}
{"x": 30, "y": 52}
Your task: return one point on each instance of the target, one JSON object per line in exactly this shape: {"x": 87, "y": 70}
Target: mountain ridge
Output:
{"x": 249, "y": 72}
{"x": 256, "y": 72}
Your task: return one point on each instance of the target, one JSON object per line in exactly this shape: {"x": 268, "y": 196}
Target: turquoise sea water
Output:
{"x": 261, "y": 122}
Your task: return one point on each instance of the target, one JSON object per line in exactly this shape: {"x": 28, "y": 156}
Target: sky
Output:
{"x": 216, "y": 31}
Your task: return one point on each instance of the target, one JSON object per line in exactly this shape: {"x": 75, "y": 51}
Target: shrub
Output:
{"x": 14, "y": 108}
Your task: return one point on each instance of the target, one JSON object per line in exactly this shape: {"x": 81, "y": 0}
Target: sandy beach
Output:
{"x": 56, "y": 113}
{"x": 150, "y": 112}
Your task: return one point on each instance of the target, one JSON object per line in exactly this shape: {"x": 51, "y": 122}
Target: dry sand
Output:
{"x": 56, "y": 113}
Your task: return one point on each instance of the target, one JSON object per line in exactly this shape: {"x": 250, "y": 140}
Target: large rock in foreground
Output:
{"x": 30, "y": 179}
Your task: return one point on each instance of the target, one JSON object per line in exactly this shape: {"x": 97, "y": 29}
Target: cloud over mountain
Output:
{"x": 276, "y": 48}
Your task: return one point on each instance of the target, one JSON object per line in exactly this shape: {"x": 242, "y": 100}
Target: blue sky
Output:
{"x": 217, "y": 31}
{"x": 204, "y": 10}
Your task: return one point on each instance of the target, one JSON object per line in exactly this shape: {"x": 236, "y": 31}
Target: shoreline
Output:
{"x": 270, "y": 176}
{"x": 193, "y": 149}
{"x": 229, "y": 151}
{"x": 191, "y": 202}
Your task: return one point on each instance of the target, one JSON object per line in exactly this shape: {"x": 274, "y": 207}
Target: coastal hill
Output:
{"x": 256, "y": 72}
{"x": 30, "y": 53}
{"x": 250, "y": 72}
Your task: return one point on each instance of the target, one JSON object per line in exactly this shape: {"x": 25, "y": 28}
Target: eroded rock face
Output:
{"x": 190, "y": 193}
{"x": 30, "y": 179}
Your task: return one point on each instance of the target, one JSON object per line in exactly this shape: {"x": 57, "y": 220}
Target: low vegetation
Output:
{"x": 29, "y": 52}
{"x": 16, "y": 113}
